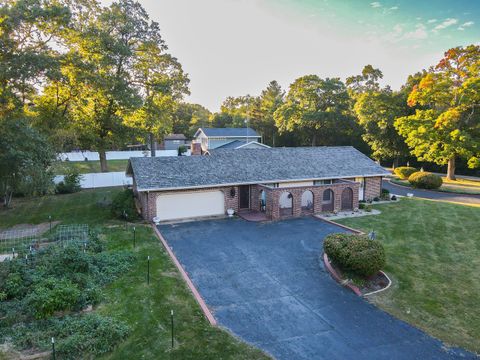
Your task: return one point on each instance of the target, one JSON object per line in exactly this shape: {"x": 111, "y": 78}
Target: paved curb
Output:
{"x": 337, "y": 277}
{"x": 185, "y": 276}
{"x": 340, "y": 225}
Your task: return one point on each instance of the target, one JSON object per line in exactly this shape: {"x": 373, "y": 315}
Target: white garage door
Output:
{"x": 190, "y": 204}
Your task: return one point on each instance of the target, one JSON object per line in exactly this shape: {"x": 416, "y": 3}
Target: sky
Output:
{"x": 236, "y": 47}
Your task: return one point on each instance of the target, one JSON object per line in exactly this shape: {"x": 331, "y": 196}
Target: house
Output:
{"x": 280, "y": 182}
{"x": 214, "y": 138}
{"x": 173, "y": 142}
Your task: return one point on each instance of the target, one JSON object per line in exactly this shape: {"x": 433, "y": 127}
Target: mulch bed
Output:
{"x": 374, "y": 283}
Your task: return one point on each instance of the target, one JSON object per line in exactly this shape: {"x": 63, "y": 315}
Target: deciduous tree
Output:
{"x": 448, "y": 124}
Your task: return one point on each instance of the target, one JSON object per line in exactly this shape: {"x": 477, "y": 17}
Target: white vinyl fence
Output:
{"x": 113, "y": 155}
{"x": 97, "y": 180}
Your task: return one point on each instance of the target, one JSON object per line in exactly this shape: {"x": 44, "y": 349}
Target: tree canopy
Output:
{"x": 448, "y": 124}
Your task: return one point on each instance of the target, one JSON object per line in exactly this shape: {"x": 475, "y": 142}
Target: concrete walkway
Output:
{"x": 265, "y": 283}
{"x": 428, "y": 194}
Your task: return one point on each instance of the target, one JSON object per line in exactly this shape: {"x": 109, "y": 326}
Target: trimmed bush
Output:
{"x": 404, "y": 172}
{"x": 124, "y": 203}
{"x": 425, "y": 180}
{"x": 355, "y": 253}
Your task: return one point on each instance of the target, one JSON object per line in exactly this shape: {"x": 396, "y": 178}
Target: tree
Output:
{"x": 367, "y": 81}
{"x": 270, "y": 100}
{"x": 317, "y": 108}
{"x": 448, "y": 124}
{"x": 26, "y": 55}
{"x": 189, "y": 117}
{"x": 376, "y": 112}
{"x": 25, "y": 159}
{"x": 116, "y": 78}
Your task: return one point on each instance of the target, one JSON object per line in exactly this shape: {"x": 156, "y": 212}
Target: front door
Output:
{"x": 244, "y": 196}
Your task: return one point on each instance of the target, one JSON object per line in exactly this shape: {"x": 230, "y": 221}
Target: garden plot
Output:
{"x": 24, "y": 240}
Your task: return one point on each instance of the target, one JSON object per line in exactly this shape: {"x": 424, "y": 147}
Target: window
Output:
{"x": 322, "y": 182}
{"x": 327, "y": 196}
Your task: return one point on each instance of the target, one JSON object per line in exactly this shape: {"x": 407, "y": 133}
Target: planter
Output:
{"x": 375, "y": 284}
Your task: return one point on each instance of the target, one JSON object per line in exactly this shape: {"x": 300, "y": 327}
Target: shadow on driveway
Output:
{"x": 266, "y": 284}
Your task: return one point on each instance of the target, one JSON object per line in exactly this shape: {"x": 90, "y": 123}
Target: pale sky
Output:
{"x": 235, "y": 47}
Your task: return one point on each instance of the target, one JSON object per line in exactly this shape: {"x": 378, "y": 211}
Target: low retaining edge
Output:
{"x": 185, "y": 276}
{"x": 337, "y": 277}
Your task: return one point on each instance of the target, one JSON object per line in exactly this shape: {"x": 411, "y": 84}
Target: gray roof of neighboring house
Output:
{"x": 231, "y": 145}
{"x": 236, "y": 132}
{"x": 175, "y": 137}
{"x": 237, "y": 166}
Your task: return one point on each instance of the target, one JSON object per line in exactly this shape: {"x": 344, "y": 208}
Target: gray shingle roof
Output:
{"x": 231, "y": 145}
{"x": 237, "y": 166}
{"x": 240, "y": 132}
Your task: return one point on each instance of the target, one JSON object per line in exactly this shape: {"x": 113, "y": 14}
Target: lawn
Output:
{"x": 85, "y": 167}
{"x": 145, "y": 308}
{"x": 459, "y": 186}
{"x": 433, "y": 257}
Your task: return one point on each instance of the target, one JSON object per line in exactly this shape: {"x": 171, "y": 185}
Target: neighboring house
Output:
{"x": 173, "y": 142}
{"x": 281, "y": 182}
{"x": 213, "y": 138}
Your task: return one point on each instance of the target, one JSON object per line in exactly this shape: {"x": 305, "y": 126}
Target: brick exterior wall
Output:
{"x": 148, "y": 200}
{"x": 274, "y": 194}
{"x": 373, "y": 187}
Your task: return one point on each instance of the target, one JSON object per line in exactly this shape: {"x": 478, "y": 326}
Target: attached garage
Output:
{"x": 182, "y": 205}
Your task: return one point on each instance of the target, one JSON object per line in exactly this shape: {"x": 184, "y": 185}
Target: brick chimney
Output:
{"x": 196, "y": 148}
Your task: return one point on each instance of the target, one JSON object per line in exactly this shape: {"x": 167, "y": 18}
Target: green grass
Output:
{"x": 457, "y": 187}
{"x": 85, "y": 167}
{"x": 433, "y": 257}
{"x": 145, "y": 308}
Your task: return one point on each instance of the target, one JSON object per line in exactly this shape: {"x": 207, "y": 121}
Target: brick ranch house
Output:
{"x": 281, "y": 182}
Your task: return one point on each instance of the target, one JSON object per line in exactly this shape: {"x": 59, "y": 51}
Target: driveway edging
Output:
{"x": 193, "y": 289}
{"x": 337, "y": 277}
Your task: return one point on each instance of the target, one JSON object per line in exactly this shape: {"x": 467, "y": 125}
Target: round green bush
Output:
{"x": 404, "y": 172}
{"x": 425, "y": 180}
{"x": 355, "y": 253}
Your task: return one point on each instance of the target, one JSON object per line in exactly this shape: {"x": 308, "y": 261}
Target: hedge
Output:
{"x": 425, "y": 180}
{"x": 355, "y": 253}
{"x": 403, "y": 172}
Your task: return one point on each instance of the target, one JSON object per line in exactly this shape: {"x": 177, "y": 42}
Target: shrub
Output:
{"x": 385, "y": 194}
{"x": 403, "y": 172}
{"x": 51, "y": 295}
{"x": 355, "y": 253}
{"x": 425, "y": 180}
{"x": 124, "y": 203}
{"x": 182, "y": 149}
{"x": 90, "y": 334}
{"x": 70, "y": 183}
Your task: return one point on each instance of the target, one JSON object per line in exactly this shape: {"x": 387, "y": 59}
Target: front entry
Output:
{"x": 244, "y": 196}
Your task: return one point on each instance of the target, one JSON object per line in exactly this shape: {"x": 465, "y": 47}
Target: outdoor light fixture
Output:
{"x": 232, "y": 192}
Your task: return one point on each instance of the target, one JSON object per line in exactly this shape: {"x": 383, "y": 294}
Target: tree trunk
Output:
{"x": 451, "y": 169}
{"x": 395, "y": 162}
{"x": 152, "y": 145}
{"x": 103, "y": 160}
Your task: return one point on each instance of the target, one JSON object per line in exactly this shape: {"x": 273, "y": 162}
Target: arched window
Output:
{"x": 286, "y": 204}
{"x": 307, "y": 201}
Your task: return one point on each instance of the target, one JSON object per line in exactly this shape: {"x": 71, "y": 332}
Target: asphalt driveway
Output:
{"x": 264, "y": 282}
{"x": 429, "y": 194}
